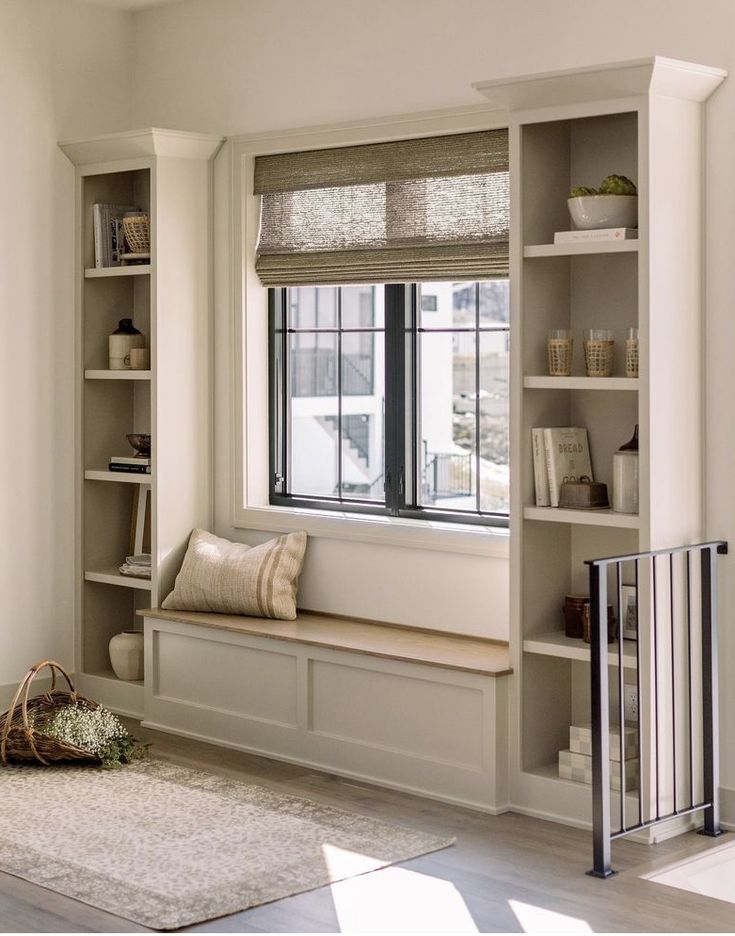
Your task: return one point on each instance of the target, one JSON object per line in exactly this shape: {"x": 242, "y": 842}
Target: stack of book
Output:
{"x": 138, "y": 566}
{"x": 109, "y": 237}
{"x": 133, "y": 465}
{"x": 559, "y": 455}
{"x": 576, "y": 763}
{"x": 597, "y": 234}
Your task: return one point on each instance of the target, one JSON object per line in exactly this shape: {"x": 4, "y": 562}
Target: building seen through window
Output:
{"x": 331, "y": 414}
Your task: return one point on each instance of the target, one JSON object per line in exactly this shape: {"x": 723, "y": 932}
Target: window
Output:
{"x": 391, "y": 399}
{"x": 387, "y": 268}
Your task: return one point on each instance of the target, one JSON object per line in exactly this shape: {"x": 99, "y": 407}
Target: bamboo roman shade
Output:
{"x": 413, "y": 210}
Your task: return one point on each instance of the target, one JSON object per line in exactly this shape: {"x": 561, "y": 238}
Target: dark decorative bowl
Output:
{"x": 141, "y": 442}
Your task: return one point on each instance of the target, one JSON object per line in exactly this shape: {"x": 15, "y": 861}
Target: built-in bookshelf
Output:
{"x": 641, "y": 120}
{"x": 168, "y": 175}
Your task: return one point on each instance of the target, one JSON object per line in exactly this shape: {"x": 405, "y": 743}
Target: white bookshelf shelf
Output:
{"x": 125, "y": 477}
{"x": 580, "y": 247}
{"x": 117, "y": 375}
{"x": 544, "y": 382}
{"x": 108, "y": 674}
{"x": 113, "y": 577}
{"x": 605, "y": 518}
{"x": 122, "y": 695}
{"x": 550, "y": 772}
{"x": 557, "y": 644}
{"x": 102, "y": 272}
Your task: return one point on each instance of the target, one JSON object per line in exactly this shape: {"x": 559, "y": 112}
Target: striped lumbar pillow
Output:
{"x": 232, "y": 578}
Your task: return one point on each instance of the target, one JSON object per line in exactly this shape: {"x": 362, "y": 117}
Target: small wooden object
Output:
{"x": 22, "y": 738}
{"x": 584, "y": 495}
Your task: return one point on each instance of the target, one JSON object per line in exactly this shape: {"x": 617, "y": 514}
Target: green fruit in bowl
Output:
{"x": 617, "y": 185}
{"x": 581, "y": 190}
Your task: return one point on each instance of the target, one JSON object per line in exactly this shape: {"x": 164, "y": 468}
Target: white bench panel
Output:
{"x": 231, "y": 679}
{"x": 408, "y": 715}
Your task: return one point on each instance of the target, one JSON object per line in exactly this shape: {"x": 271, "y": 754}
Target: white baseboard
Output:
{"x": 313, "y": 765}
{"x": 7, "y": 690}
{"x": 727, "y": 808}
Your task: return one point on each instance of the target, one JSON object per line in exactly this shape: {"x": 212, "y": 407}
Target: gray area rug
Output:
{"x": 166, "y": 846}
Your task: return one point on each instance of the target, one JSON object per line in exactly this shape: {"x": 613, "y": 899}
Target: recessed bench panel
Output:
{"x": 234, "y": 679}
{"x": 411, "y": 716}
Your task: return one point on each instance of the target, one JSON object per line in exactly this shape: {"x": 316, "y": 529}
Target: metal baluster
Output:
{"x": 655, "y": 682}
{"x": 711, "y": 735}
{"x": 601, "y": 865}
{"x": 673, "y": 675}
{"x": 621, "y": 693}
{"x": 689, "y": 674}
{"x": 638, "y": 690}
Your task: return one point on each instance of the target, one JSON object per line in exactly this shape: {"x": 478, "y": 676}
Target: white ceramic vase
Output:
{"x": 126, "y": 655}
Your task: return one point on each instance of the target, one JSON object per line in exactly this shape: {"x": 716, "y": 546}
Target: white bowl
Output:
{"x": 604, "y": 211}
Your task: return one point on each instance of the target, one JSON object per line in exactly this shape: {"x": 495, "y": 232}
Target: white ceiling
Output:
{"x": 131, "y": 4}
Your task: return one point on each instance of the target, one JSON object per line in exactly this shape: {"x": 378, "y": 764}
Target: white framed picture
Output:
{"x": 629, "y": 612}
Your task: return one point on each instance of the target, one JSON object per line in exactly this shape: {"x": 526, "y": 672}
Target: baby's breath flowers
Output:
{"x": 97, "y": 731}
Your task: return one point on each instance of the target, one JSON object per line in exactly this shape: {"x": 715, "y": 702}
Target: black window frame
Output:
{"x": 402, "y": 481}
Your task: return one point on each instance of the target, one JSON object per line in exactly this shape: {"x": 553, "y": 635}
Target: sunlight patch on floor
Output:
{"x": 711, "y": 874}
{"x": 393, "y": 899}
{"x": 539, "y": 920}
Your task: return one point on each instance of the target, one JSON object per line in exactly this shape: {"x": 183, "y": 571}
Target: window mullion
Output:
{"x": 478, "y": 434}
{"x": 279, "y": 393}
{"x": 395, "y": 422}
{"x": 339, "y": 393}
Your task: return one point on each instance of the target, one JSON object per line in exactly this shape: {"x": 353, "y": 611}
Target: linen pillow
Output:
{"x": 232, "y": 578}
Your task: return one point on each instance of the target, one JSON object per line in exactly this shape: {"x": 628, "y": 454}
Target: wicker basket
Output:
{"x": 137, "y": 227}
{"x": 22, "y": 738}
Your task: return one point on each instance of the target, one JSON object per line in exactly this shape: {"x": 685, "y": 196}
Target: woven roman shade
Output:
{"x": 414, "y": 210}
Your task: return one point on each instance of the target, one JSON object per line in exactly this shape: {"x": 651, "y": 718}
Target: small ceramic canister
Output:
{"x": 126, "y": 655}
{"x": 125, "y": 337}
{"x": 140, "y": 359}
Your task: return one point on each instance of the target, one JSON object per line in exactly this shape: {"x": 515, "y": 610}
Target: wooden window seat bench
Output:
{"x": 417, "y": 710}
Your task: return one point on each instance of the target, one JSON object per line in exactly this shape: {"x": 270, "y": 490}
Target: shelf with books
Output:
{"x": 579, "y": 248}
{"x": 117, "y": 374}
{"x": 603, "y": 518}
{"x": 649, "y": 283}
{"x": 557, "y": 644}
{"x": 124, "y": 513}
{"x": 544, "y": 382}
{"x": 123, "y": 477}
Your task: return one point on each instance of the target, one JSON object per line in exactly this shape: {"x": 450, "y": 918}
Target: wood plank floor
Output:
{"x": 505, "y": 874}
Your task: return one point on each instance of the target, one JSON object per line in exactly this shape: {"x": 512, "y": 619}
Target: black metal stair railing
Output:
{"x": 677, "y": 740}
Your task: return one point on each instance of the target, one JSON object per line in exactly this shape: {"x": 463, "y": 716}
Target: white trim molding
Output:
{"x": 241, "y": 327}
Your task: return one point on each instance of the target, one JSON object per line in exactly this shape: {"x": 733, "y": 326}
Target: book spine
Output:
{"x": 554, "y": 483}
{"x": 130, "y": 469}
{"x": 540, "y": 474}
{"x": 97, "y": 226}
{"x": 106, "y": 258}
{"x": 600, "y": 234}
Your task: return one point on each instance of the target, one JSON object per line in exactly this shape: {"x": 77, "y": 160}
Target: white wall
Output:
{"x": 61, "y": 71}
